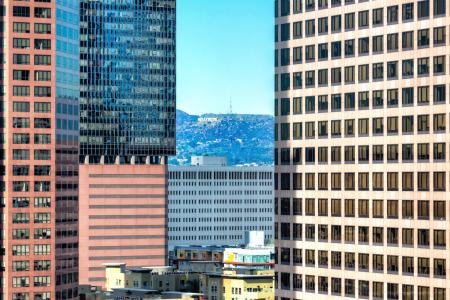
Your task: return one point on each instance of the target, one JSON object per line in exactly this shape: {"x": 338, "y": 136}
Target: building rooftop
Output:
{"x": 220, "y": 161}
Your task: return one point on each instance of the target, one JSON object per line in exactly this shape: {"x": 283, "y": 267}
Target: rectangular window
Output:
{"x": 42, "y": 44}
{"x": 297, "y": 82}
{"x": 377, "y": 44}
{"x": 323, "y": 25}
{"x": 42, "y": 75}
{"x": 439, "y": 181}
{"x": 309, "y": 79}
{"x": 439, "y": 7}
{"x": 310, "y": 105}
{"x": 336, "y": 211}
{"x": 439, "y": 94}
{"x": 21, "y": 90}
{"x": 392, "y": 42}
{"x": 439, "y": 36}
{"x": 438, "y": 65}
{"x": 336, "y": 102}
{"x": 363, "y": 208}
{"x": 407, "y": 96}
{"x": 349, "y": 128}
{"x": 377, "y": 181}
{"x": 407, "y": 181}
{"x": 349, "y": 21}
{"x": 423, "y": 9}
{"x": 423, "y": 94}
{"x": 439, "y": 151}
{"x": 21, "y": 59}
{"x": 21, "y": 43}
{"x": 363, "y": 100}
{"x": 44, "y": 60}
{"x": 423, "y": 66}
{"x": 349, "y": 48}
{"x": 408, "y": 12}
{"x": 377, "y": 99}
{"x": 336, "y": 76}
{"x": 42, "y": 28}
{"x": 349, "y": 76}
{"x": 336, "y": 23}
{"x": 392, "y": 14}
{"x": 363, "y": 45}
{"x": 297, "y": 6}
{"x": 285, "y": 32}
{"x": 363, "y": 19}
{"x": 377, "y": 71}
{"x": 310, "y": 53}
{"x": 423, "y": 38}
{"x": 423, "y": 181}
{"x": 297, "y": 105}
{"x": 297, "y": 130}
{"x": 21, "y": 74}
{"x": 322, "y": 77}
{"x": 363, "y": 154}
{"x": 377, "y": 16}
{"x": 42, "y": 249}
{"x": 407, "y": 40}
{"x": 297, "y": 55}
{"x": 42, "y": 12}
{"x": 392, "y": 70}
{"x": 407, "y": 68}
{"x": 310, "y": 27}
{"x": 363, "y": 181}
{"x": 297, "y": 30}
{"x": 22, "y": 27}
{"x": 322, "y": 52}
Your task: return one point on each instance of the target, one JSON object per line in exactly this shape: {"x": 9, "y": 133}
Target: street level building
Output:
{"x": 362, "y": 149}
{"x": 238, "y": 284}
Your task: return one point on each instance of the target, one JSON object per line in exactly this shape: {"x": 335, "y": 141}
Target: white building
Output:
{"x": 214, "y": 204}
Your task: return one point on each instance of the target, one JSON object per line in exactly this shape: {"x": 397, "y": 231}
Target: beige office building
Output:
{"x": 362, "y": 149}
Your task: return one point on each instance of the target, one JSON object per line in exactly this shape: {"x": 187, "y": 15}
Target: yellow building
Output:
{"x": 161, "y": 279}
{"x": 238, "y": 284}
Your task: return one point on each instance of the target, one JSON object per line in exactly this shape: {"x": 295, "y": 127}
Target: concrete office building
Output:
{"x": 39, "y": 157}
{"x": 211, "y": 203}
{"x": 362, "y": 149}
{"x": 127, "y": 130}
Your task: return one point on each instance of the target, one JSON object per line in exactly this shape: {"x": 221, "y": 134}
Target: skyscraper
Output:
{"x": 361, "y": 97}
{"x": 127, "y": 130}
{"x": 40, "y": 90}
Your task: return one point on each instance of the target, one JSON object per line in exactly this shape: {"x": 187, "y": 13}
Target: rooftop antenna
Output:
{"x": 231, "y": 107}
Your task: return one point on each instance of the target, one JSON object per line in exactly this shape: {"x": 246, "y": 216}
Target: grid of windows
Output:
{"x": 137, "y": 95}
{"x": 216, "y": 205}
{"x": 361, "y": 170}
{"x": 44, "y": 75}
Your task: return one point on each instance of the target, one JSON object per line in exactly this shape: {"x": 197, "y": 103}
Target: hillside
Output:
{"x": 243, "y": 139}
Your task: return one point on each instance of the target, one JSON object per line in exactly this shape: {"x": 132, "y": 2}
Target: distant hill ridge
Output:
{"x": 242, "y": 138}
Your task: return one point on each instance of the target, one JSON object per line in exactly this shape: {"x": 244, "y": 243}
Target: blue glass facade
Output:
{"x": 127, "y": 100}
{"x": 67, "y": 118}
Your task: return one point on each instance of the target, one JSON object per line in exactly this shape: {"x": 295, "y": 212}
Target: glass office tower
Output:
{"x": 127, "y": 130}
{"x": 362, "y": 145}
{"x": 127, "y": 104}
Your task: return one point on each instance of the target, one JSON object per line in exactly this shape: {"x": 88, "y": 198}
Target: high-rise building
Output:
{"x": 39, "y": 100}
{"x": 361, "y": 98}
{"x": 127, "y": 130}
{"x": 211, "y": 203}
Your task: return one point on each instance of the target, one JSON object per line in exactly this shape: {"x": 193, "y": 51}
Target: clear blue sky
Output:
{"x": 225, "y": 49}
